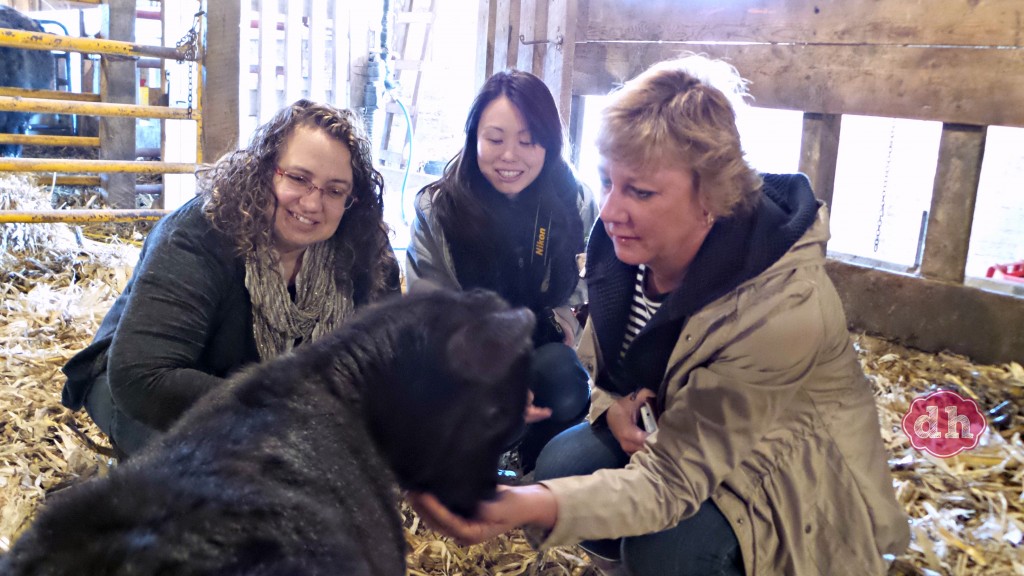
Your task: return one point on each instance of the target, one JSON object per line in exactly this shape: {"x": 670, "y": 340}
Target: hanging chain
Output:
{"x": 188, "y": 112}
{"x": 885, "y": 185}
{"x": 188, "y": 47}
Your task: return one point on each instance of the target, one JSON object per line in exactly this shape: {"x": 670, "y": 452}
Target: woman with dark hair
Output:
{"x": 284, "y": 239}
{"x": 510, "y": 215}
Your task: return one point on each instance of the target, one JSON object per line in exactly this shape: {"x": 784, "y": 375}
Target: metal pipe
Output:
{"x": 9, "y": 104}
{"x": 49, "y": 94}
{"x": 32, "y": 40}
{"x": 78, "y": 216}
{"x": 48, "y": 140}
{"x": 70, "y": 181}
{"x": 94, "y": 166}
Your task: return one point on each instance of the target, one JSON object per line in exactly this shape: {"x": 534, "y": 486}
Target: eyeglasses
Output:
{"x": 302, "y": 185}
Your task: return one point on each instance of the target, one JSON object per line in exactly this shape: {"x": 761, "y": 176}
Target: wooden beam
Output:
{"x": 486, "y": 43}
{"x": 294, "y": 81}
{"x": 931, "y": 315}
{"x": 819, "y": 151}
{"x": 528, "y": 32}
{"x": 924, "y": 83}
{"x": 340, "y": 56}
{"x": 266, "y": 83}
{"x": 318, "y": 69}
{"x": 223, "y": 78}
{"x": 954, "y": 196}
{"x": 505, "y": 44}
{"x": 577, "y": 111}
{"x": 898, "y": 22}
{"x": 118, "y": 85}
{"x": 559, "y": 52}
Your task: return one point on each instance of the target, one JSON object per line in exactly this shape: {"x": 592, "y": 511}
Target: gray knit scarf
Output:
{"x": 318, "y": 308}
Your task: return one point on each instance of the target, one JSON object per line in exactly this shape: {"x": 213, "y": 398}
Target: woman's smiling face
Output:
{"x": 305, "y": 217}
{"x": 505, "y": 151}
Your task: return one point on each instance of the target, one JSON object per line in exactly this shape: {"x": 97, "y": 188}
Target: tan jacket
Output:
{"x": 768, "y": 413}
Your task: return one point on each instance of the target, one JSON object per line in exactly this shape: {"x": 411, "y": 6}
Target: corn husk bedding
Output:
{"x": 967, "y": 511}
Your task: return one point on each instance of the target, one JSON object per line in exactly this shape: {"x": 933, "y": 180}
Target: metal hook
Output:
{"x": 557, "y": 41}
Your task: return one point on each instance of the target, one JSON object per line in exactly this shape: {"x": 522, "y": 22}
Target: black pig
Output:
{"x": 20, "y": 68}
{"x": 290, "y": 468}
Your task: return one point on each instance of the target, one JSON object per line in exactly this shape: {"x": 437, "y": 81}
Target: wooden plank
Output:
{"x": 503, "y": 47}
{"x": 486, "y": 33}
{"x": 318, "y": 70}
{"x": 528, "y": 32}
{"x": 961, "y": 149}
{"x": 179, "y": 138}
{"x": 515, "y": 14}
{"x": 294, "y": 80}
{"x": 925, "y": 83}
{"x": 931, "y": 315}
{"x": 223, "y": 77}
{"x": 819, "y": 151}
{"x": 576, "y": 114}
{"x": 266, "y": 85}
{"x": 341, "y": 15}
{"x": 558, "y": 54}
{"x": 118, "y": 86}
{"x": 902, "y": 22}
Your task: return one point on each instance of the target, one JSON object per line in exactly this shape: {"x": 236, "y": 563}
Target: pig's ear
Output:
{"x": 488, "y": 346}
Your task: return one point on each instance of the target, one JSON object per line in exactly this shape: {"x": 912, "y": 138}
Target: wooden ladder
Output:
{"x": 412, "y": 46}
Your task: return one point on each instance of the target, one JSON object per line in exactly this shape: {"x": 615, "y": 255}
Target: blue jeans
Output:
{"x": 702, "y": 544}
{"x": 559, "y": 382}
{"x": 127, "y": 435}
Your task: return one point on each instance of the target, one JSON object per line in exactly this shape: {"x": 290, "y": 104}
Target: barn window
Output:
{"x": 883, "y": 187}
{"x": 997, "y": 236}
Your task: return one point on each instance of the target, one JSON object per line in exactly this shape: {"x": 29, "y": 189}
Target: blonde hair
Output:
{"x": 683, "y": 113}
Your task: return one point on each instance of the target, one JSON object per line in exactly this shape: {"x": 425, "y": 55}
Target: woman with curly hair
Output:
{"x": 284, "y": 239}
{"x": 509, "y": 215}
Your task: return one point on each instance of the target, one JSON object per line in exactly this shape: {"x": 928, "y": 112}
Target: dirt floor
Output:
{"x": 58, "y": 281}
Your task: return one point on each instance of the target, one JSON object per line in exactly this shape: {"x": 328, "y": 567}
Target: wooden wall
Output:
{"x": 960, "y": 62}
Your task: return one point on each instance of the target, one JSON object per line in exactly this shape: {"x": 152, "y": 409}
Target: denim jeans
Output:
{"x": 702, "y": 544}
{"x": 126, "y": 434}
{"x": 559, "y": 382}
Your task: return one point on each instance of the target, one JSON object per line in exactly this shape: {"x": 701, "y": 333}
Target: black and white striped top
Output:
{"x": 640, "y": 311}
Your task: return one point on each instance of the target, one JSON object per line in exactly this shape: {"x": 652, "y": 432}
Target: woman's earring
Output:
{"x": 709, "y": 219}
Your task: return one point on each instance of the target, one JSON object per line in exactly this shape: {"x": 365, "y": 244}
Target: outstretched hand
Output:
{"x": 514, "y": 506}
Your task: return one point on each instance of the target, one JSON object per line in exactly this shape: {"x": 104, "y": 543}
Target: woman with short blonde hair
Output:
{"x": 731, "y": 429}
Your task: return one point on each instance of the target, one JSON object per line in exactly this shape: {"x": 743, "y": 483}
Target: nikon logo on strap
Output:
{"x": 540, "y": 245}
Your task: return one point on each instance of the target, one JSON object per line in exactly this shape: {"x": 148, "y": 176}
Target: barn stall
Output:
{"x": 917, "y": 328}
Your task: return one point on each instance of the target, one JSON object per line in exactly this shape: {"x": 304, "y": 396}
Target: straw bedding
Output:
{"x": 57, "y": 282}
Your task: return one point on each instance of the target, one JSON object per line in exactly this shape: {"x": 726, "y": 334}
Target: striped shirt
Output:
{"x": 640, "y": 310}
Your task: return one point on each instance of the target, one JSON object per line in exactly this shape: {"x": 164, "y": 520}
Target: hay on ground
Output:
{"x": 967, "y": 511}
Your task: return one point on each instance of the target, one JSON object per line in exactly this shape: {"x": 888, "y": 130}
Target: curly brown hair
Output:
{"x": 239, "y": 198}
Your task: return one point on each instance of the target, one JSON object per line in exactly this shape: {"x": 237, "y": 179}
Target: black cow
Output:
{"x": 33, "y": 69}
{"x": 290, "y": 468}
